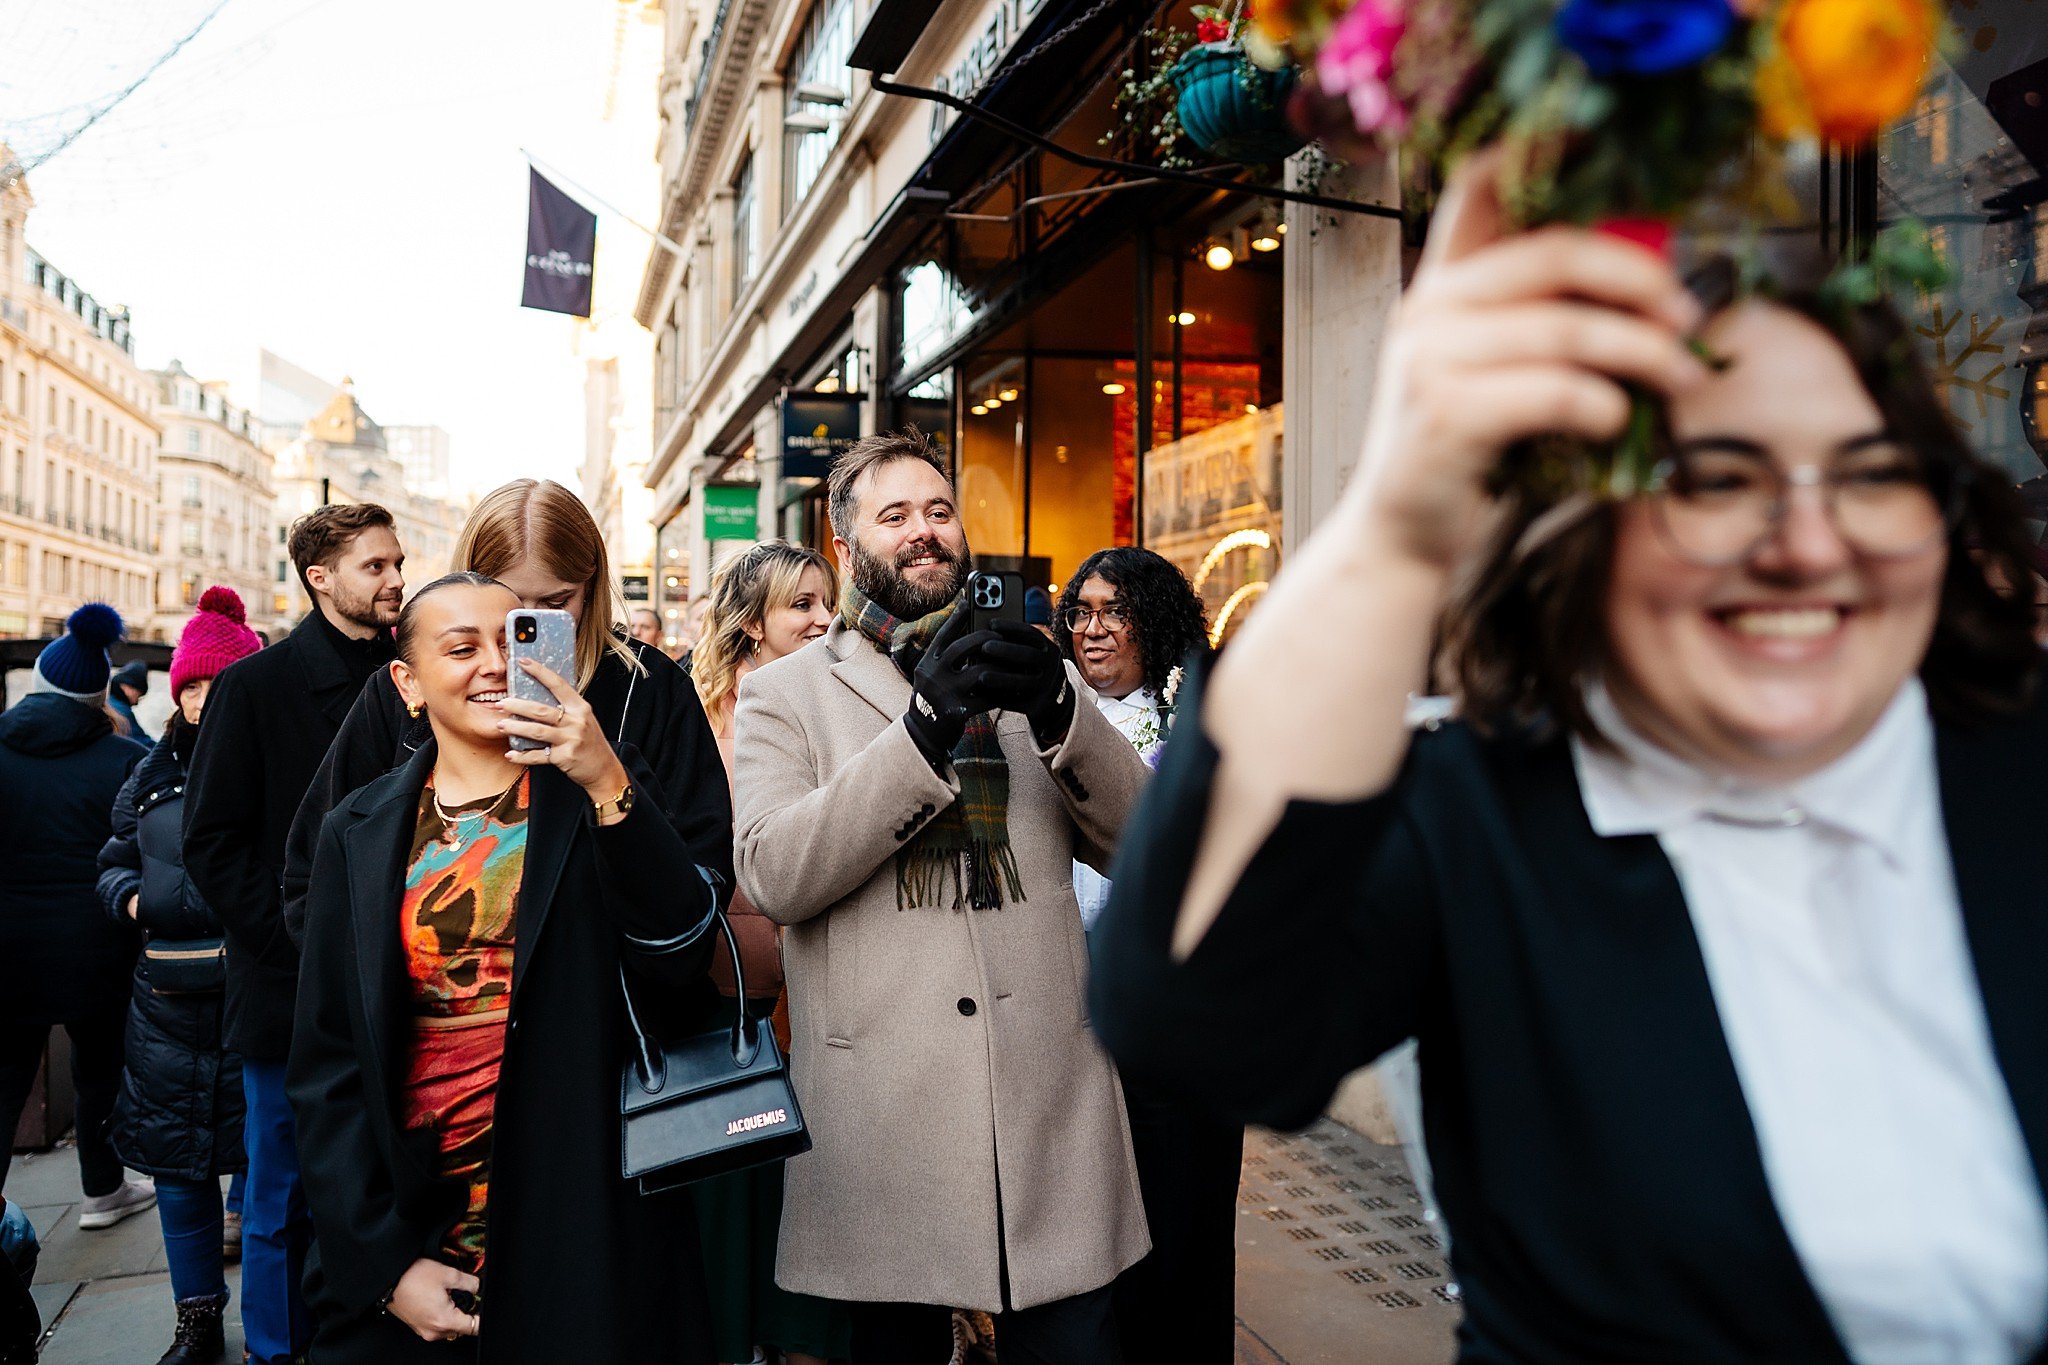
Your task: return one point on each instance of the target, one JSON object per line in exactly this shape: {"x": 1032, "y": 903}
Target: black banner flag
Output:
{"x": 561, "y": 244}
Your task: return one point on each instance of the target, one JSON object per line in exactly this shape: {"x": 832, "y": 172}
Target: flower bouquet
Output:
{"x": 1637, "y": 116}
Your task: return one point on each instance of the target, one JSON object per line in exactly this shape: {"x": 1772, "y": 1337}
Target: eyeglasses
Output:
{"x": 1717, "y": 507}
{"x": 1114, "y": 619}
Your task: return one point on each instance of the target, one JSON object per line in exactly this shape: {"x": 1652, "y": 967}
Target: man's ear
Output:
{"x": 319, "y": 578}
{"x": 843, "y": 552}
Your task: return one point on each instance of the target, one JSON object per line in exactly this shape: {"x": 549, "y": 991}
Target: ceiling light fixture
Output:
{"x": 978, "y": 410}
{"x": 992, "y": 402}
{"x": 1008, "y": 395}
{"x": 1185, "y": 319}
{"x": 1265, "y": 241}
{"x": 1218, "y": 256}
{"x": 1113, "y": 389}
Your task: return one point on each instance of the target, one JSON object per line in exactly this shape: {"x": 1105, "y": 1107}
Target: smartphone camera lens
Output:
{"x": 522, "y": 629}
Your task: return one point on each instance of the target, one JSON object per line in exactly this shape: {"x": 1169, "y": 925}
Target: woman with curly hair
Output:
{"x": 1128, "y": 619}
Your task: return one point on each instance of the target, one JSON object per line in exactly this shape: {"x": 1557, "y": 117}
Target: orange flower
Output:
{"x": 1844, "y": 69}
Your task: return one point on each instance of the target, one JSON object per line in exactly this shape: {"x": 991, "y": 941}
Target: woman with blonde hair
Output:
{"x": 769, "y": 602}
{"x": 537, "y": 538}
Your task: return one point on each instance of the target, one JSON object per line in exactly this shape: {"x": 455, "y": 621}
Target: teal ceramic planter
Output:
{"x": 1226, "y": 119}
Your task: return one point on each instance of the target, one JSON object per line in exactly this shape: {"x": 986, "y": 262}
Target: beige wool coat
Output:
{"x": 936, "y": 1050}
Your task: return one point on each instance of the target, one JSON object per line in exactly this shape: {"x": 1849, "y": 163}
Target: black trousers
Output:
{"x": 1179, "y": 1304}
{"x": 1076, "y": 1331}
{"x": 99, "y": 1047}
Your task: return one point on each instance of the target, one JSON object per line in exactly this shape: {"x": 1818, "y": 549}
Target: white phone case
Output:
{"x": 554, "y": 644}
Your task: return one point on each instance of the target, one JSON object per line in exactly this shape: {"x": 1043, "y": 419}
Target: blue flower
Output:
{"x": 1644, "y": 37}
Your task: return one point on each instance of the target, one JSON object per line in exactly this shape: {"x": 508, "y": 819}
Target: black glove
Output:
{"x": 1027, "y": 675}
{"x": 946, "y": 689}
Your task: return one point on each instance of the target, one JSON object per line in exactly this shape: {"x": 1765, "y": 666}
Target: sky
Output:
{"x": 341, "y": 182}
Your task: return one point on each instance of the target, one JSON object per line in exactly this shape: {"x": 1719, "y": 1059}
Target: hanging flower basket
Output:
{"x": 1233, "y": 110}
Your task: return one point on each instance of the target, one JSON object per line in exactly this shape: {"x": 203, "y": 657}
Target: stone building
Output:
{"x": 219, "y": 511}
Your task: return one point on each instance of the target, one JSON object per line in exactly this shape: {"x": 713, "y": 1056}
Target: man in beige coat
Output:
{"x": 912, "y": 816}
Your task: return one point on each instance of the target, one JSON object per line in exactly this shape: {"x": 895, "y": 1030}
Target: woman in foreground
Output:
{"x": 455, "y": 1060}
{"x": 1717, "y": 916}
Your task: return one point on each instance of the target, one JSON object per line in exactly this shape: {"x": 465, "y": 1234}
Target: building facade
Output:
{"x": 218, "y": 519}
{"x": 617, "y": 361}
{"x": 78, "y": 444}
{"x": 341, "y": 455}
{"x": 422, "y": 452}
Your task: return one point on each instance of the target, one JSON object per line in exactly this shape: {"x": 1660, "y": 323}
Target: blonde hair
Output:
{"x": 743, "y": 592}
{"x": 539, "y": 517}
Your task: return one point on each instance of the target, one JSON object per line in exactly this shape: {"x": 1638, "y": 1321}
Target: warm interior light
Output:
{"x": 1112, "y": 389}
{"x": 1185, "y": 319}
{"x": 993, "y": 402}
{"x": 1280, "y": 228}
{"x": 829, "y": 384}
{"x": 1250, "y": 409}
{"x": 1008, "y": 395}
{"x": 978, "y": 410}
{"x": 1265, "y": 241}
{"x": 1219, "y": 257}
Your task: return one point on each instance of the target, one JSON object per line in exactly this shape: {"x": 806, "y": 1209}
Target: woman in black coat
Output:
{"x": 1717, "y": 915}
{"x": 61, "y": 765}
{"x": 537, "y": 538}
{"x": 179, "y": 1117}
{"x": 478, "y": 905}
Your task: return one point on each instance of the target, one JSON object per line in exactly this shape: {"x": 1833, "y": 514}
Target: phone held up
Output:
{"x": 993, "y": 597}
{"x": 547, "y": 637}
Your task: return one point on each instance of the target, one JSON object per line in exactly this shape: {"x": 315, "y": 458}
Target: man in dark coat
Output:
{"x": 269, "y": 721}
{"x": 60, "y": 765}
{"x": 130, "y": 685}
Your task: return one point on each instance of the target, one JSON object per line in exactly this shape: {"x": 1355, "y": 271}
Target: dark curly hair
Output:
{"x": 1170, "y": 619}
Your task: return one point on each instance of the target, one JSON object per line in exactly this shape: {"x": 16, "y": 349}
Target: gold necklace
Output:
{"x": 454, "y": 823}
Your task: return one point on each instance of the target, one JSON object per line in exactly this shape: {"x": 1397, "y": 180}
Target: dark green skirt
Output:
{"x": 739, "y": 1218}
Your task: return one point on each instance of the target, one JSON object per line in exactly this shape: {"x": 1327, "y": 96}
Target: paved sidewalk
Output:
{"x": 1337, "y": 1262}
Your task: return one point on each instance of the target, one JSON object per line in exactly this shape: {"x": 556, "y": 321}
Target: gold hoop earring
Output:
{"x": 413, "y": 710}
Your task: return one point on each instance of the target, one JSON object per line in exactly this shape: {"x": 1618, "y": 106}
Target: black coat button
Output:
{"x": 967, "y": 1006}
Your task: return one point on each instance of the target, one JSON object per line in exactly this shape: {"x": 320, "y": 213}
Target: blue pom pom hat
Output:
{"x": 75, "y": 664}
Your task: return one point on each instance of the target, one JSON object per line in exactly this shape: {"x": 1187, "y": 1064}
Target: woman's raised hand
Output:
{"x": 574, "y": 741}
{"x": 1501, "y": 337}
{"x": 421, "y": 1301}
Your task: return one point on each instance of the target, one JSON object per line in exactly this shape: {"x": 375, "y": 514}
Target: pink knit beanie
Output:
{"x": 213, "y": 639}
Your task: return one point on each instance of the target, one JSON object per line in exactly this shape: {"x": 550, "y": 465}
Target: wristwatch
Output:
{"x": 618, "y": 805}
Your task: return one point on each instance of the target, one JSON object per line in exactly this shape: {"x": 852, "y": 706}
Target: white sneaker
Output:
{"x": 105, "y": 1210}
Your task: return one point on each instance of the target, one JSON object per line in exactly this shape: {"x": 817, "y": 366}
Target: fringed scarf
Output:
{"x": 976, "y": 825}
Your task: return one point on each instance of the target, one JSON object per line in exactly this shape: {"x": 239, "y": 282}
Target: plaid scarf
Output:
{"x": 974, "y": 825}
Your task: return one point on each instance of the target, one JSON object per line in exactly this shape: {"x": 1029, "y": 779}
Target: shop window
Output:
{"x": 818, "y": 83}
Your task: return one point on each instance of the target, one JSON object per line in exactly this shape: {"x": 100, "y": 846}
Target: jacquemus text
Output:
{"x": 753, "y": 1121}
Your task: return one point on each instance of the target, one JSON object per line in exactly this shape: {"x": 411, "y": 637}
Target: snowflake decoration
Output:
{"x": 1948, "y": 372}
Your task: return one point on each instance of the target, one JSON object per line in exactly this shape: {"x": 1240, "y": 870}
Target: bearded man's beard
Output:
{"x": 378, "y": 610}
{"x": 884, "y": 582}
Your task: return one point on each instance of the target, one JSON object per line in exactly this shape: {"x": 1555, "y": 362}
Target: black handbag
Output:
{"x": 186, "y": 966}
{"x": 707, "y": 1105}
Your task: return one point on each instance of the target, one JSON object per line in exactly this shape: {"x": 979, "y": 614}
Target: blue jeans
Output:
{"x": 276, "y": 1229}
{"x": 190, "y": 1211}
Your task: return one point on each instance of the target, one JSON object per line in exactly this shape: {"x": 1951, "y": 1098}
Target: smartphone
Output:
{"x": 547, "y": 637}
{"x": 993, "y": 597}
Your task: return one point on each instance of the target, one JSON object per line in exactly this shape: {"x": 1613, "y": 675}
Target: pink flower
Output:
{"x": 1357, "y": 60}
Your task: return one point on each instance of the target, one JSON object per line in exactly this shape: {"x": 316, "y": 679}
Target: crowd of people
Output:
{"x": 347, "y": 973}
{"x": 1712, "y": 903}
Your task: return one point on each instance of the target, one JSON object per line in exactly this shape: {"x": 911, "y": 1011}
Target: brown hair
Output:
{"x": 743, "y": 591}
{"x": 544, "y": 519}
{"x": 403, "y": 637}
{"x": 865, "y": 454}
{"x": 324, "y": 534}
{"x": 1526, "y": 625}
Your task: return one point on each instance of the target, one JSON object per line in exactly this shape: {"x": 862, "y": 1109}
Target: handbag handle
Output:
{"x": 650, "y": 1064}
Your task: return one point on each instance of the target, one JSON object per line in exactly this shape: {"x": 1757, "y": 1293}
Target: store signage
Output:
{"x": 731, "y": 511}
{"x": 634, "y": 586}
{"x": 985, "y": 52}
{"x": 816, "y": 430}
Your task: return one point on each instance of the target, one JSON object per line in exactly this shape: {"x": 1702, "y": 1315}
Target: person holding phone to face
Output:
{"x": 454, "y": 1070}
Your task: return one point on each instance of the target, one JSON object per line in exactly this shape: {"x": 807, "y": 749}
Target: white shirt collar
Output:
{"x": 1116, "y": 708}
{"x": 1639, "y": 788}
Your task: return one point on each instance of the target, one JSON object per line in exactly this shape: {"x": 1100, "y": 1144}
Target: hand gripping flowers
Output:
{"x": 1639, "y": 116}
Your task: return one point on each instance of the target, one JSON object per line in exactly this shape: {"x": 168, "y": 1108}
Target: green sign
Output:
{"x": 731, "y": 511}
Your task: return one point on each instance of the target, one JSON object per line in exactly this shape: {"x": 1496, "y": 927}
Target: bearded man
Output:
{"x": 909, "y": 795}
{"x": 269, "y": 720}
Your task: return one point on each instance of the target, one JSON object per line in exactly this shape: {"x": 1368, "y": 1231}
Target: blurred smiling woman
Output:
{"x": 467, "y": 1189}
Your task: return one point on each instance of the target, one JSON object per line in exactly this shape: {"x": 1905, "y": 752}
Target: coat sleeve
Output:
{"x": 805, "y": 845}
{"x": 121, "y": 856}
{"x": 655, "y": 888}
{"x": 1238, "y": 1024}
{"x": 689, "y": 777}
{"x": 365, "y": 748}
{"x": 365, "y": 1244}
{"x": 224, "y": 796}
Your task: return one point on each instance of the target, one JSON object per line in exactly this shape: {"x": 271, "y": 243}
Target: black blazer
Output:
{"x": 269, "y": 718}
{"x": 580, "y": 1265}
{"x": 657, "y": 711}
{"x": 1593, "y": 1152}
